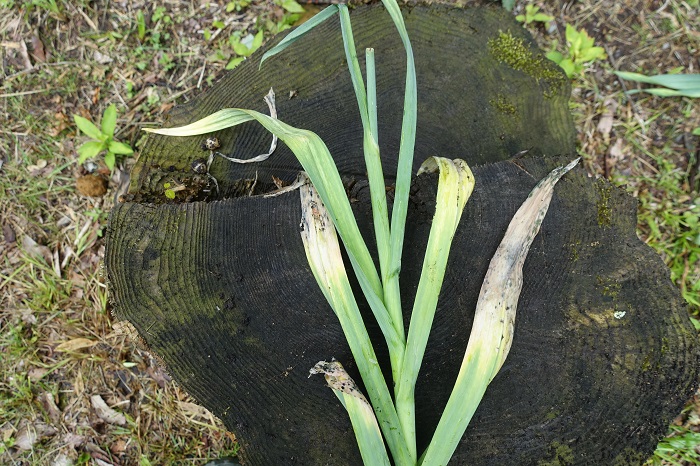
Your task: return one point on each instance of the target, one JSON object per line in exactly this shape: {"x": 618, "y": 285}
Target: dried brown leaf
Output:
{"x": 106, "y": 413}
{"x": 71, "y": 346}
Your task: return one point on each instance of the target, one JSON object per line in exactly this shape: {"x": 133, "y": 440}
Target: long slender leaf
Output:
{"x": 494, "y": 320}
{"x": 673, "y": 81}
{"x": 300, "y": 31}
{"x": 664, "y": 92}
{"x": 323, "y": 254}
{"x": 456, "y": 183}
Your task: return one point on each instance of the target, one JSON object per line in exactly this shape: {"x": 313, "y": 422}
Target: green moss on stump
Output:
{"x": 503, "y": 105}
{"x": 514, "y": 52}
{"x": 562, "y": 455}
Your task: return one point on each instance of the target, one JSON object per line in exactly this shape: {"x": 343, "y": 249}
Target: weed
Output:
{"x": 581, "y": 52}
{"x": 237, "y": 5}
{"x": 244, "y": 47}
{"x": 679, "y": 447}
{"x": 102, "y": 138}
{"x": 532, "y": 15}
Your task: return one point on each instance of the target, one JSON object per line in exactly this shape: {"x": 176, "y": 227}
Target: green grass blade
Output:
{"x": 325, "y": 260}
{"x": 456, "y": 183}
{"x": 364, "y": 422}
{"x": 300, "y": 31}
{"x": 673, "y": 81}
{"x": 494, "y": 320}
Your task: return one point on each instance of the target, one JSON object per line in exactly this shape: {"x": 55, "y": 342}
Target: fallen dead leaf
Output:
{"x": 605, "y": 123}
{"x": 62, "y": 460}
{"x": 31, "y": 433}
{"x": 616, "y": 153}
{"x": 34, "y": 170}
{"x": 106, "y": 413}
{"x": 118, "y": 448}
{"x": 38, "y": 49}
{"x": 47, "y": 400}
{"x": 74, "y": 345}
{"x": 194, "y": 410}
{"x": 102, "y": 58}
{"x": 34, "y": 249}
{"x": 9, "y": 234}
{"x": 36, "y": 373}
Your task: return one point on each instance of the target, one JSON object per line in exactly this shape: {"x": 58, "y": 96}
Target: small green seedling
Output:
{"x": 508, "y": 4}
{"x": 102, "y": 138}
{"x": 581, "y": 52}
{"x": 532, "y": 15}
{"x": 141, "y": 25}
{"x": 244, "y": 47}
{"x": 237, "y": 5}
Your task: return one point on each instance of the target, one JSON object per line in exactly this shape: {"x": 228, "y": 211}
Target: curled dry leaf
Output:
{"x": 106, "y": 413}
{"x": 38, "y": 51}
{"x": 194, "y": 410}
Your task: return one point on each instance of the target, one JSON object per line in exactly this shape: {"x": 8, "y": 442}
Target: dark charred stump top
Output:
{"x": 603, "y": 356}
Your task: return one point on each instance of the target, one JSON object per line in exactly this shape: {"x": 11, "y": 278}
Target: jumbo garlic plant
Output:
{"x": 388, "y": 417}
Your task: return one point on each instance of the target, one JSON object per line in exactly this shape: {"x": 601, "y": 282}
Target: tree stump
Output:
{"x": 218, "y": 285}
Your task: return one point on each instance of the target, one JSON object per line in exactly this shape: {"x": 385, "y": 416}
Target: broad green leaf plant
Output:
{"x": 580, "y": 53}
{"x": 102, "y": 138}
{"x": 387, "y": 415}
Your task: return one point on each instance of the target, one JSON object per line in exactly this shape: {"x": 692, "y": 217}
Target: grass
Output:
{"x": 45, "y": 302}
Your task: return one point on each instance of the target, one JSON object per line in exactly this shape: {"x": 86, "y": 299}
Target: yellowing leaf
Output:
{"x": 71, "y": 346}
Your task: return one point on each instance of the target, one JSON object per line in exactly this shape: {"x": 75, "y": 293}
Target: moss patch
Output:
{"x": 608, "y": 286}
{"x": 603, "y": 204}
{"x": 503, "y": 105}
{"x": 561, "y": 455}
{"x": 628, "y": 457}
{"x": 514, "y": 52}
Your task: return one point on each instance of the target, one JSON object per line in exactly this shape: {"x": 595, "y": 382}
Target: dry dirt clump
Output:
{"x": 75, "y": 387}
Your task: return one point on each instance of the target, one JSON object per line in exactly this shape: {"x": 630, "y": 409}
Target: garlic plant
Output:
{"x": 390, "y": 417}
